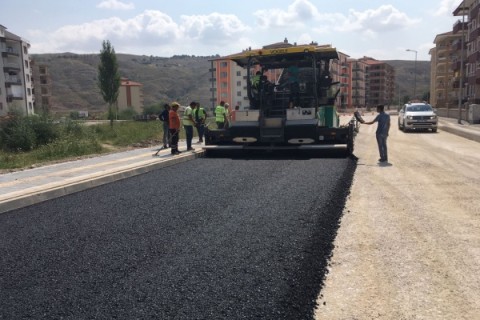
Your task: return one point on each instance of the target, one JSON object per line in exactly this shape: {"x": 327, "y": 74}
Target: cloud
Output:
{"x": 297, "y": 14}
{"x": 149, "y": 31}
{"x": 373, "y": 21}
{"x": 213, "y": 28}
{"x": 446, "y": 7}
{"x": 115, "y": 5}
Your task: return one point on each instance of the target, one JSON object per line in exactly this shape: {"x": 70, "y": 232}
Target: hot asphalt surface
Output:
{"x": 204, "y": 239}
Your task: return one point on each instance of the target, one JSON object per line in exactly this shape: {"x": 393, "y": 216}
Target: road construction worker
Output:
{"x": 189, "y": 123}
{"x": 166, "y": 130}
{"x": 174, "y": 126}
{"x": 200, "y": 116}
{"x": 228, "y": 112}
{"x": 220, "y": 115}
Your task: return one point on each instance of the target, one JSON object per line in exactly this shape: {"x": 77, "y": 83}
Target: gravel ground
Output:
{"x": 409, "y": 242}
{"x": 206, "y": 239}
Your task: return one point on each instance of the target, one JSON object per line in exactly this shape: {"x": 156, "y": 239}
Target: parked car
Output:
{"x": 417, "y": 115}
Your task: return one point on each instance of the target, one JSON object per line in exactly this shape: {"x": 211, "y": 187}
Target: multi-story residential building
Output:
{"x": 379, "y": 82}
{"x": 469, "y": 11}
{"x": 42, "y": 87}
{"x": 340, "y": 72}
{"x": 16, "y": 88}
{"x": 357, "y": 83}
{"x": 130, "y": 95}
{"x": 455, "y": 61}
{"x": 444, "y": 59}
{"x": 228, "y": 83}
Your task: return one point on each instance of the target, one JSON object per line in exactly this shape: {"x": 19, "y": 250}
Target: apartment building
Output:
{"x": 42, "y": 87}
{"x": 445, "y": 62}
{"x": 228, "y": 83}
{"x": 357, "y": 83}
{"x": 455, "y": 61}
{"x": 469, "y": 11}
{"x": 341, "y": 73}
{"x": 130, "y": 95}
{"x": 16, "y": 86}
{"x": 379, "y": 82}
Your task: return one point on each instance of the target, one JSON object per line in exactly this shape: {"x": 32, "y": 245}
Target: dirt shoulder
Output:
{"x": 409, "y": 242}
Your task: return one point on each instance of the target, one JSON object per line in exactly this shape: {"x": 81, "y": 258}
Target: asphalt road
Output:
{"x": 206, "y": 239}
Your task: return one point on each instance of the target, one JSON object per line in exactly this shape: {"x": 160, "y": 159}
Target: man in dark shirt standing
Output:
{"x": 383, "y": 120}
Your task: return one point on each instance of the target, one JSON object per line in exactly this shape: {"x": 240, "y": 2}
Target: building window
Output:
{"x": 25, "y": 50}
{"x": 26, "y": 64}
{"x": 29, "y": 92}
{"x": 239, "y": 73}
{"x": 239, "y": 93}
{"x": 239, "y": 83}
{"x": 223, "y": 75}
{"x": 223, "y": 64}
{"x": 224, "y": 95}
{"x": 224, "y": 85}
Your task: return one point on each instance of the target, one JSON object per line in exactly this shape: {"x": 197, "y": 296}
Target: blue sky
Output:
{"x": 380, "y": 29}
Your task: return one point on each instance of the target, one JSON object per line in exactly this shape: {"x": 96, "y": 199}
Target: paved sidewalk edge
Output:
{"x": 464, "y": 133}
{"x": 57, "y": 192}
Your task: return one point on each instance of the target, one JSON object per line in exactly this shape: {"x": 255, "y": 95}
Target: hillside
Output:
{"x": 74, "y": 79}
{"x": 181, "y": 78}
{"x": 404, "y": 77}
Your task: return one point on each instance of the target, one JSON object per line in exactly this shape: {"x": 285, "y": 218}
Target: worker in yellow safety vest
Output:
{"x": 200, "y": 118}
{"x": 189, "y": 123}
{"x": 220, "y": 115}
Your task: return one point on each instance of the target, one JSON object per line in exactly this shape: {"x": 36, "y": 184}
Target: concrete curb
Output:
{"x": 459, "y": 131}
{"x": 56, "y": 190}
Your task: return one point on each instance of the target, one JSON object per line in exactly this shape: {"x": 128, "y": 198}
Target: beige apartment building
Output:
{"x": 455, "y": 63}
{"x": 445, "y": 82}
{"x": 16, "y": 85}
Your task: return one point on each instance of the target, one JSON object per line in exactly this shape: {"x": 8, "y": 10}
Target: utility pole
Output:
{"x": 462, "y": 51}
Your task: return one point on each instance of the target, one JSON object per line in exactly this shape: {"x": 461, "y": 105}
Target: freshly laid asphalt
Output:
{"x": 26, "y": 187}
{"x": 216, "y": 238}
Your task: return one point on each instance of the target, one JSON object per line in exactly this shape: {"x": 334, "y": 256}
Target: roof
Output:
{"x": 282, "y": 53}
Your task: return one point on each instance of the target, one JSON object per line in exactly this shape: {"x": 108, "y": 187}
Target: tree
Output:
{"x": 108, "y": 77}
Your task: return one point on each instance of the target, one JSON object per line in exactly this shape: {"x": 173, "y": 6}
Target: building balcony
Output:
{"x": 11, "y": 67}
{"x": 474, "y": 10}
{"x": 474, "y": 34}
{"x": 13, "y": 80}
{"x": 10, "y": 52}
{"x": 457, "y": 27}
{"x": 474, "y": 57}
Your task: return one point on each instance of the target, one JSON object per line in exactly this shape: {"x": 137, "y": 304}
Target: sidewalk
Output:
{"x": 23, "y": 188}
{"x": 465, "y": 130}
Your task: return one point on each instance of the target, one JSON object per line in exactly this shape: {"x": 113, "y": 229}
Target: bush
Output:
{"x": 127, "y": 114}
{"x": 18, "y": 135}
{"x": 45, "y": 130}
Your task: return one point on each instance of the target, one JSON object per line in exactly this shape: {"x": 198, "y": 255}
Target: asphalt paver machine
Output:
{"x": 291, "y": 102}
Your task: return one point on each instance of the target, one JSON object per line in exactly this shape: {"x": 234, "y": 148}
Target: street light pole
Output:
{"x": 462, "y": 52}
{"x": 414, "y": 74}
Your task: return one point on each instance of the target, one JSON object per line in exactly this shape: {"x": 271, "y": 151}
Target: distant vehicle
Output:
{"x": 295, "y": 111}
{"x": 417, "y": 115}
